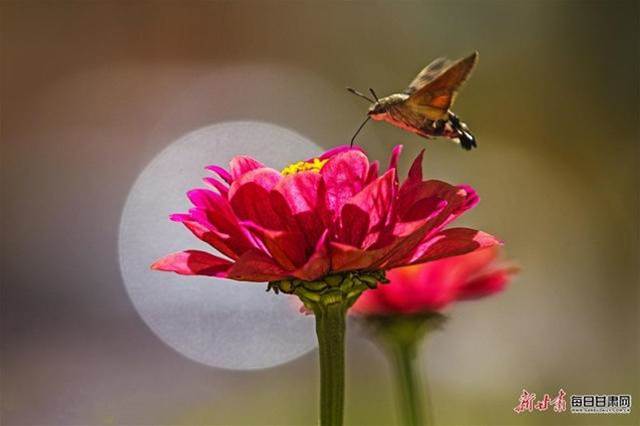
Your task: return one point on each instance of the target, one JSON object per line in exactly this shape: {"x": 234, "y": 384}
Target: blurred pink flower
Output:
{"x": 325, "y": 215}
{"x": 430, "y": 287}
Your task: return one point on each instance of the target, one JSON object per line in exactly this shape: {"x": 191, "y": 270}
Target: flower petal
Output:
{"x": 453, "y": 242}
{"x": 415, "y": 172}
{"x": 265, "y": 178}
{"x": 193, "y": 262}
{"x": 221, "y": 187}
{"x": 214, "y": 212}
{"x": 395, "y": 154}
{"x": 300, "y": 199}
{"x": 303, "y": 191}
{"x": 486, "y": 284}
{"x": 431, "y": 286}
{"x": 388, "y": 249}
{"x": 241, "y": 164}
{"x": 419, "y": 292}
{"x": 410, "y": 197}
{"x": 180, "y": 217}
{"x": 345, "y": 257}
{"x": 416, "y": 200}
{"x": 348, "y": 257}
{"x": 464, "y": 198}
{"x": 414, "y": 233}
{"x": 354, "y": 225}
{"x": 215, "y": 239}
{"x": 220, "y": 172}
{"x": 338, "y": 150}
{"x": 255, "y": 265}
{"x": 249, "y": 197}
{"x": 407, "y": 293}
{"x": 286, "y": 248}
{"x": 344, "y": 176}
{"x": 318, "y": 264}
{"x": 368, "y": 211}
{"x": 373, "y": 172}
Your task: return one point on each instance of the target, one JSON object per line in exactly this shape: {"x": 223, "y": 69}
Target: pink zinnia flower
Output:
{"x": 326, "y": 215}
{"x": 432, "y": 286}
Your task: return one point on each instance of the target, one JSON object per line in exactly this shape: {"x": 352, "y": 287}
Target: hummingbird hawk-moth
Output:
{"x": 423, "y": 107}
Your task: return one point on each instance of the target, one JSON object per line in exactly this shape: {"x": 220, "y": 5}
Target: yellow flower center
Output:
{"x": 314, "y": 165}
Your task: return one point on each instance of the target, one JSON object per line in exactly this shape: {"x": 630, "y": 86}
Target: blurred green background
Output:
{"x": 92, "y": 91}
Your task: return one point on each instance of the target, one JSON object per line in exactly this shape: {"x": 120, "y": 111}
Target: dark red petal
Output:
{"x": 376, "y": 199}
{"x": 424, "y": 207}
{"x": 471, "y": 198}
{"x": 255, "y": 265}
{"x": 465, "y": 198}
{"x": 406, "y": 294}
{"x": 453, "y": 242}
{"x": 409, "y": 196}
{"x": 486, "y": 284}
{"x": 217, "y": 240}
{"x": 418, "y": 199}
{"x": 474, "y": 263}
{"x": 252, "y": 203}
{"x": 373, "y": 172}
{"x": 354, "y": 225}
{"x": 368, "y": 211}
{"x": 413, "y": 234}
{"x": 415, "y": 172}
{"x": 318, "y": 264}
{"x": 193, "y": 262}
{"x": 416, "y": 292}
{"x": 389, "y": 249}
{"x": 250, "y": 199}
{"x": 345, "y": 257}
{"x": 286, "y": 248}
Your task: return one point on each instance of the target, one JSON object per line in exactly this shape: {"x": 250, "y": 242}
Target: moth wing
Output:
{"x": 439, "y": 93}
{"x": 428, "y": 74}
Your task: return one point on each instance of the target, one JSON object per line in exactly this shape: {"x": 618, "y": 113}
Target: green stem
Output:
{"x": 410, "y": 391}
{"x": 330, "y": 328}
{"x": 401, "y": 336}
{"x": 329, "y": 298}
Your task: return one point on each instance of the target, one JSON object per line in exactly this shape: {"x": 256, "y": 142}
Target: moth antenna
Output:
{"x": 358, "y": 131}
{"x": 374, "y": 94}
{"x": 362, "y": 95}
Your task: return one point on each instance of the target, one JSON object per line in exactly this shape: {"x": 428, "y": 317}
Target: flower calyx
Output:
{"x": 406, "y": 330}
{"x": 341, "y": 288}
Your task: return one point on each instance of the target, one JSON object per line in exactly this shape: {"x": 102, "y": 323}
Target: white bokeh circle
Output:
{"x": 217, "y": 322}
